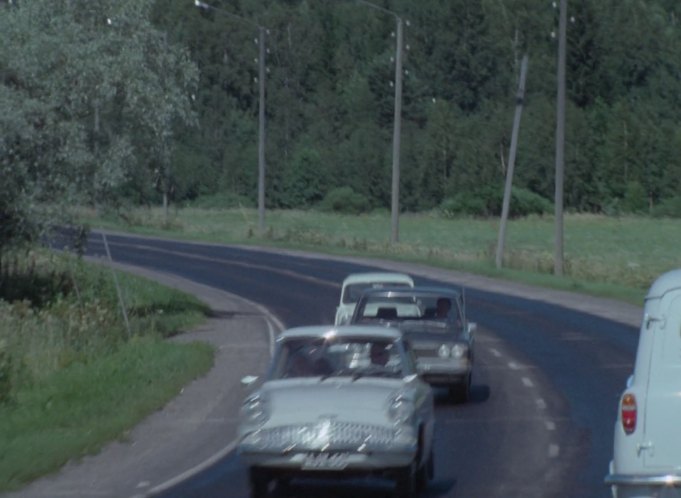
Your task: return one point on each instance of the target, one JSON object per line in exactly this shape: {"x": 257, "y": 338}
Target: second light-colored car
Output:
{"x": 339, "y": 401}
{"x": 356, "y": 283}
{"x": 433, "y": 320}
{"x": 647, "y": 443}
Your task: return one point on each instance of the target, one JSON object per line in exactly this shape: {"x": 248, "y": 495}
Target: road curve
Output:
{"x": 545, "y": 382}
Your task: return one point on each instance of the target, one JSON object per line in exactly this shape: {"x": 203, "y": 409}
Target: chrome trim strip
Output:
{"x": 666, "y": 480}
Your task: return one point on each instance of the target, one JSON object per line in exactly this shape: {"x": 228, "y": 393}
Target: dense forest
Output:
{"x": 121, "y": 101}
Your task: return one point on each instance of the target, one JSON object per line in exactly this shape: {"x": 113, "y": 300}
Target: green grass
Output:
{"x": 616, "y": 257}
{"x": 72, "y": 377}
{"x": 83, "y": 406}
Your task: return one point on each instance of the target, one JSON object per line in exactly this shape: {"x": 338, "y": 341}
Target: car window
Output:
{"x": 354, "y": 357}
{"x": 442, "y": 309}
{"x": 353, "y": 292}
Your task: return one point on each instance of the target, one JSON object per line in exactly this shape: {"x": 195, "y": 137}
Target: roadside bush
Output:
{"x": 345, "y": 200}
{"x": 488, "y": 201}
{"x": 669, "y": 208}
{"x": 221, "y": 200}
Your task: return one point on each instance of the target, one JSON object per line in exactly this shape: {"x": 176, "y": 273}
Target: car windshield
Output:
{"x": 353, "y": 292}
{"x": 337, "y": 357}
{"x": 437, "y": 310}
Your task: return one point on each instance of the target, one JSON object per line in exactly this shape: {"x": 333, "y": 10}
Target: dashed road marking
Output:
{"x": 554, "y": 450}
{"x": 527, "y": 382}
{"x": 495, "y": 352}
{"x": 550, "y": 425}
{"x": 541, "y": 404}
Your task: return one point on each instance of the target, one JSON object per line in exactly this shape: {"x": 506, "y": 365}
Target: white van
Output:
{"x": 647, "y": 449}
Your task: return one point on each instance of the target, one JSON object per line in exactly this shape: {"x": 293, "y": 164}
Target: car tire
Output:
{"x": 425, "y": 472}
{"x": 260, "y": 482}
{"x": 405, "y": 482}
{"x": 461, "y": 393}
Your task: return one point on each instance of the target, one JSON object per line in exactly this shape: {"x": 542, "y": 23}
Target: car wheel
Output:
{"x": 405, "y": 482}
{"x": 260, "y": 482}
{"x": 461, "y": 392}
{"x": 425, "y": 472}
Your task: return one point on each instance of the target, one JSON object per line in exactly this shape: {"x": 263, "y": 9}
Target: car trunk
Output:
{"x": 661, "y": 446}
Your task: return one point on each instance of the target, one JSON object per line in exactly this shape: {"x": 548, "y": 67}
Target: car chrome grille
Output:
{"x": 326, "y": 432}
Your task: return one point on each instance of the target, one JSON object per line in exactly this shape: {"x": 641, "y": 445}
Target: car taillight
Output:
{"x": 628, "y": 412}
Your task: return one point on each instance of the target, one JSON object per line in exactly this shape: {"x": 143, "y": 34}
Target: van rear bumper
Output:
{"x": 658, "y": 480}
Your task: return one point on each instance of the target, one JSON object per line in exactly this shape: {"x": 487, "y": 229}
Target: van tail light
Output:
{"x": 628, "y": 411}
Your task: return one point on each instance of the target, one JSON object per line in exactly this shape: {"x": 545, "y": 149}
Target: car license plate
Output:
{"x": 325, "y": 461}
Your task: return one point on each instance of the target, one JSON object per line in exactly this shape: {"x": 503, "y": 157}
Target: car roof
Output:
{"x": 415, "y": 291}
{"x": 357, "y": 278}
{"x": 665, "y": 283}
{"x": 388, "y": 333}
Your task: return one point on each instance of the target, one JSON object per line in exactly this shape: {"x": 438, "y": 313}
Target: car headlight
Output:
{"x": 254, "y": 410}
{"x": 459, "y": 351}
{"x": 401, "y": 410}
{"x": 444, "y": 351}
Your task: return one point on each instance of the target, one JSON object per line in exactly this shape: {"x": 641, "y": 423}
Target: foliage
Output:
{"x": 91, "y": 94}
{"x": 346, "y": 201}
{"x": 669, "y": 208}
{"x": 488, "y": 201}
{"x": 82, "y": 120}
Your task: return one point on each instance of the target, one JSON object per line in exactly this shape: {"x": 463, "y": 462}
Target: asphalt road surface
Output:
{"x": 545, "y": 383}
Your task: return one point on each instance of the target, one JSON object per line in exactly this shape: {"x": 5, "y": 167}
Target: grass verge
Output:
{"x": 83, "y": 406}
{"x": 72, "y": 376}
{"x": 616, "y": 257}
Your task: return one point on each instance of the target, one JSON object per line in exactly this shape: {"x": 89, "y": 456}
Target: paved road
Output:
{"x": 545, "y": 382}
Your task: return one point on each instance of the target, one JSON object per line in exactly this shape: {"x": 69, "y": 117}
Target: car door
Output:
{"x": 661, "y": 446}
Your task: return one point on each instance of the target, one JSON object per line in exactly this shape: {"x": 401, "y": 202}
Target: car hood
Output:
{"x": 299, "y": 401}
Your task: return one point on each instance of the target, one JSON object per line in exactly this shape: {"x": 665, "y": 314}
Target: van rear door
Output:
{"x": 661, "y": 445}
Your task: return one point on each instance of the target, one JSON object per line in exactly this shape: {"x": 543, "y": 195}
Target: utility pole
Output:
{"x": 262, "y": 51}
{"x": 397, "y": 126}
{"x": 261, "y": 130}
{"x": 560, "y": 140}
{"x": 397, "y": 122}
{"x": 520, "y": 96}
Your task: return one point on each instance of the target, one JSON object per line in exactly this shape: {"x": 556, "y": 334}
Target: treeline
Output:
{"x": 330, "y": 102}
{"x": 135, "y": 101}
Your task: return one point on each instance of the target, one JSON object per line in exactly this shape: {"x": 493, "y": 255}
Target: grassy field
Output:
{"x": 72, "y": 377}
{"x": 610, "y": 256}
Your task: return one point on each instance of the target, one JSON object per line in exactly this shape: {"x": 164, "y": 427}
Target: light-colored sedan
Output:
{"x": 339, "y": 401}
{"x": 433, "y": 320}
{"x": 647, "y": 448}
{"x": 356, "y": 283}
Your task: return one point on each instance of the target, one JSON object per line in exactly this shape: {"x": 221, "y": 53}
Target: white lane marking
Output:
{"x": 143, "y": 484}
{"x": 527, "y": 382}
{"x": 550, "y": 425}
{"x": 269, "y": 318}
{"x": 513, "y": 365}
{"x": 541, "y": 404}
{"x": 554, "y": 450}
{"x": 495, "y": 352}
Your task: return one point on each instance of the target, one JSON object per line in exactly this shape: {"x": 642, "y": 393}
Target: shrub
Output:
{"x": 669, "y": 208}
{"x": 345, "y": 200}
{"x": 221, "y": 200}
{"x": 488, "y": 201}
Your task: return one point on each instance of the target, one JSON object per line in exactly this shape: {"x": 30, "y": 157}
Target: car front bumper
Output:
{"x": 444, "y": 372}
{"x": 292, "y": 448}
